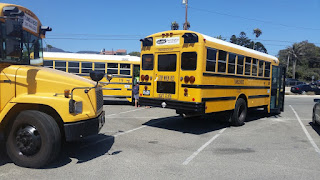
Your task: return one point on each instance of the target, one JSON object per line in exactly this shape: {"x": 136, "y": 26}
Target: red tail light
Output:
{"x": 186, "y": 79}
{"x": 185, "y": 92}
{"x": 192, "y": 79}
{"x": 297, "y": 88}
{"x": 146, "y": 77}
{"x": 142, "y": 77}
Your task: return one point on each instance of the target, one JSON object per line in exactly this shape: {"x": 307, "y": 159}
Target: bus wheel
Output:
{"x": 34, "y": 139}
{"x": 239, "y": 113}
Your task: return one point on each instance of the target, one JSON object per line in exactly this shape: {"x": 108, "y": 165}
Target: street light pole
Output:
{"x": 185, "y": 25}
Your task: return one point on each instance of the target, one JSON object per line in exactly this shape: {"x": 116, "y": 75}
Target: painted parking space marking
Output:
{"x": 186, "y": 162}
{"x": 316, "y": 148}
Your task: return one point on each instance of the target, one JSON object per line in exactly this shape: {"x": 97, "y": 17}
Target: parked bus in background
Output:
{"x": 124, "y": 69}
{"x": 40, "y": 107}
{"x": 196, "y": 74}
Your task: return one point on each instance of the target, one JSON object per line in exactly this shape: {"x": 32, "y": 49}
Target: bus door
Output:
{"x": 277, "y": 89}
{"x": 166, "y": 77}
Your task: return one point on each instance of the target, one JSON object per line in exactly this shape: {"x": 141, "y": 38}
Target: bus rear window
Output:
{"x": 147, "y": 62}
{"x": 189, "y": 61}
{"x": 167, "y": 62}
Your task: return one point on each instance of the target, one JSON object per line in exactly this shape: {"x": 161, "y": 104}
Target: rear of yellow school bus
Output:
{"x": 177, "y": 72}
{"x": 40, "y": 107}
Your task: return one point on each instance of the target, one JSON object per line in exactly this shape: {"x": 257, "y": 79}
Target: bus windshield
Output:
{"x": 17, "y": 47}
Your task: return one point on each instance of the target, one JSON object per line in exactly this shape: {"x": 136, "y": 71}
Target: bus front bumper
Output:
{"x": 180, "y": 106}
{"x": 77, "y": 130}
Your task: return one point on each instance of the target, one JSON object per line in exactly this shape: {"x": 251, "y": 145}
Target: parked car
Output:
{"x": 316, "y": 112}
{"x": 293, "y": 82}
{"x": 303, "y": 88}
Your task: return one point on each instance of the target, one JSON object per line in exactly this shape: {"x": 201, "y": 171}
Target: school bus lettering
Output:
{"x": 239, "y": 81}
{"x": 165, "y": 96}
{"x": 166, "y": 78}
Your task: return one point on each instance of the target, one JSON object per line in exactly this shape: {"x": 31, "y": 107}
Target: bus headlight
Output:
{"x": 75, "y": 107}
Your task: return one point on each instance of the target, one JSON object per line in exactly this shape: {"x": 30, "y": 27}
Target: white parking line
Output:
{"x": 120, "y": 133}
{"x": 202, "y": 147}
{"x": 125, "y": 112}
{"x": 316, "y": 148}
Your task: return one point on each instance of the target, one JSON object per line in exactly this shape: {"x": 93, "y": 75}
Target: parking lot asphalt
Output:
{"x": 155, "y": 143}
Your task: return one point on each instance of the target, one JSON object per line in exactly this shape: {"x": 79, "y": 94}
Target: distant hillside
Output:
{"x": 53, "y": 49}
{"x": 89, "y": 52}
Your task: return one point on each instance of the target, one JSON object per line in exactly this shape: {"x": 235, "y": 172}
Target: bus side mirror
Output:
{"x": 109, "y": 77}
{"x": 96, "y": 75}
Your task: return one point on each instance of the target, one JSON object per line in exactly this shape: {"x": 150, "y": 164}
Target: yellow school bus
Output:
{"x": 40, "y": 107}
{"x": 124, "y": 69}
{"x": 197, "y": 74}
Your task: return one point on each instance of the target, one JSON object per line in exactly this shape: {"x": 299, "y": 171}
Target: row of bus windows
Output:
{"x": 168, "y": 62}
{"x": 226, "y": 62}
{"x": 86, "y": 67}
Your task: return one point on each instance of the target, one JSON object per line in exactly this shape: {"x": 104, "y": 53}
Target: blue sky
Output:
{"x": 97, "y": 24}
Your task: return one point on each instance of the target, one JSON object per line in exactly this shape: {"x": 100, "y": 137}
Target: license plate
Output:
{"x": 102, "y": 120}
{"x": 146, "y": 92}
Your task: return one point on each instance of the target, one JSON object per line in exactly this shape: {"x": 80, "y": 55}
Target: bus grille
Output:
{"x": 99, "y": 96}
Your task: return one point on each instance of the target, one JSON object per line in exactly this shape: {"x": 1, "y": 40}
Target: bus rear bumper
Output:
{"x": 77, "y": 130}
{"x": 180, "y": 106}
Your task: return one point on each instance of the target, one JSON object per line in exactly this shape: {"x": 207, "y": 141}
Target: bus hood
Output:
{"x": 32, "y": 80}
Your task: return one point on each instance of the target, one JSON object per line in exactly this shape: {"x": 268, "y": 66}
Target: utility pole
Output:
{"x": 185, "y": 25}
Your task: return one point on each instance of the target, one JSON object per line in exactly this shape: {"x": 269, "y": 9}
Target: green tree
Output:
{"x": 243, "y": 40}
{"x": 49, "y": 47}
{"x": 302, "y": 60}
{"x": 174, "y": 26}
{"x": 220, "y": 37}
{"x": 134, "y": 53}
{"x": 257, "y": 33}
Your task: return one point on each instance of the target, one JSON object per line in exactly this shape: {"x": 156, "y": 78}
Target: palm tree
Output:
{"x": 49, "y": 47}
{"x": 174, "y": 26}
{"x": 296, "y": 51}
{"x": 257, "y": 32}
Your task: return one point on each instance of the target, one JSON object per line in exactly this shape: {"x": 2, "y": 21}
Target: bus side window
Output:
{"x": 240, "y": 64}
{"x": 222, "y": 61}
{"x": 267, "y": 69}
{"x": 254, "y": 67}
{"x": 125, "y": 69}
{"x": 60, "y": 65}
{"x": 48, "y": 63}
{"x": 211, "y": 59}
{"x": 100, "y": 67}
{"x": 248, "y": 66}
{"x": 232, "y": 63}
{"x": 261, "y": 68}
{"x": 86, "y": 67}
{"x": 112, "y": 68}
{"x": 73, "y": 67}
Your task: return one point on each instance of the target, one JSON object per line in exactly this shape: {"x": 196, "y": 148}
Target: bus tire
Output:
{"x": 34, "y": 139}
{"x": 239, "y": 113}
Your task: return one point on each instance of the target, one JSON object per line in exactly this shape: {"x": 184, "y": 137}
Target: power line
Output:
{"x": 91, "y": 39}
{"x": 98, "y": 35}
{"x": 252, "y": 19}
